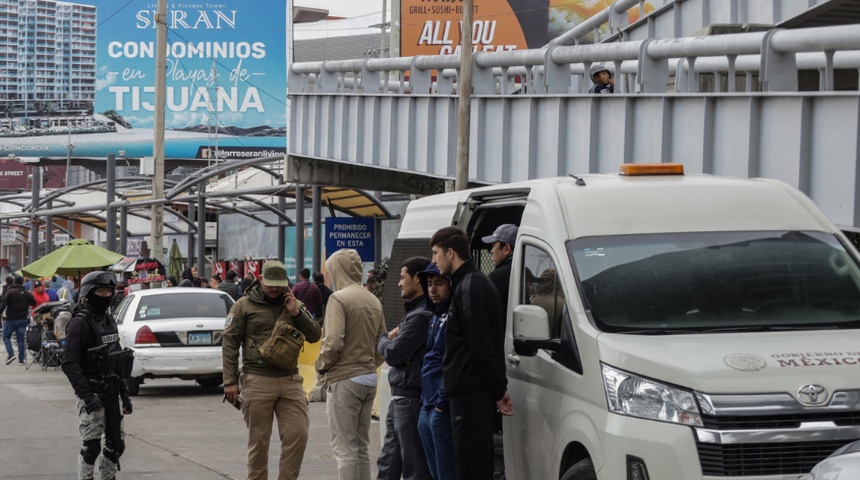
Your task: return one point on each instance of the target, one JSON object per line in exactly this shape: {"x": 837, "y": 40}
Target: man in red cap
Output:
{"x": 39, "y": 293}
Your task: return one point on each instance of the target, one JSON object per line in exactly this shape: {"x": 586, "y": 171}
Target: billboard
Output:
{"x": 432, "y": 27}
{"x": 84, "y": 78}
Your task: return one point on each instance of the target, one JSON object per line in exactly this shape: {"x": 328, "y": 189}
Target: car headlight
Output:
{"x": 632, "y": 395}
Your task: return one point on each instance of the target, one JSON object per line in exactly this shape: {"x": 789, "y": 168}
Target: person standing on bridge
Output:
{"x": 602, "y": 79}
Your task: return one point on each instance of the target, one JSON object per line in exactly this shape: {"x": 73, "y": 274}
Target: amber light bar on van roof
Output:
{"x": 636, "y": 169}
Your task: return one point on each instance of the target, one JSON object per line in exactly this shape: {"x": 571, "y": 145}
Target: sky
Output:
{"x": 344, "y": 8}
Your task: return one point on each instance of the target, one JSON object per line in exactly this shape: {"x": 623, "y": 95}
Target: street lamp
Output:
{"x": 69, "y": 147}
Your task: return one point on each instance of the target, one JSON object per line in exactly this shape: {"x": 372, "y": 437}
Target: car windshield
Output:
{"x": 185, "y": 305}
{"x": 717, "y": 282}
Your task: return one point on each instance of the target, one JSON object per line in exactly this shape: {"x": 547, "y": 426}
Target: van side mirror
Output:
{"x": 531, "y": 331}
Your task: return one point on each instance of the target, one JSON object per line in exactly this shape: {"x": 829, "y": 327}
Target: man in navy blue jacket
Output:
{"x": 474, "y": 365}
{"x": 403, "y": 349}
{"x": 434, "y": 422}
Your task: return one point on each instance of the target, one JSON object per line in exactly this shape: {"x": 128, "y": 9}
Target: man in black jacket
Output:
{"x": 473, "y": 366}
{"x": 92, "y": 326}
{"x": 402, "y": 454}
{"x": 319, "y": 281}
{"x": 16, "y": 302}
{"x": 501, "y": 244}
{"x": 229, "y": 285}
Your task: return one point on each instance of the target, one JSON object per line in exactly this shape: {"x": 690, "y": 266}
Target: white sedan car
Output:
{"x": 174, "y": 332}
{"x": 843, "y": 464}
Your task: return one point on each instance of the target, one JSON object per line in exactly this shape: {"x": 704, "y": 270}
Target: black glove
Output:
{"x": 126, "y": 405}
{"x": 94, "y": 403}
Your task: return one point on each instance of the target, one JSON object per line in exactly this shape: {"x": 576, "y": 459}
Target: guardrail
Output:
{"x": 531, "y": 117}
{"x": 646, "y": 66}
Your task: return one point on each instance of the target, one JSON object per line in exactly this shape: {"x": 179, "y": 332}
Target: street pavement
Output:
{"x": 178, "y": 430}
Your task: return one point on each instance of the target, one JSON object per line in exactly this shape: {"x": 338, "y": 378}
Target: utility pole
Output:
{"x": 382, "y": 30}
{"x": 69, "y": 147}
{"x": 110, "y": 214}
{"x": 464, "y": 86}
{"x": 394, "y": 31}
{"x": 36, "y": 186}
{"x": 157, "y": 227}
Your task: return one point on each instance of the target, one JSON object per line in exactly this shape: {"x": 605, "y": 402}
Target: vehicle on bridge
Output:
{"x": 663, "y": 325}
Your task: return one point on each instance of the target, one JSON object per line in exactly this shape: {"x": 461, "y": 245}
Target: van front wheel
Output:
{"x": 581, "y": 470}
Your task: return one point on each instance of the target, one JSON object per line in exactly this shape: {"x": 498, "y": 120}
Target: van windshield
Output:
{"x": 717, "y": 282}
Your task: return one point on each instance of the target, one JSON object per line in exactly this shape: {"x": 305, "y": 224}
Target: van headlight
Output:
{"x": 632, "y": 395}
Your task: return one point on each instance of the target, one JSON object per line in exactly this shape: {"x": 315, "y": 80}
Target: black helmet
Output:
{"x": 95, "y": 280}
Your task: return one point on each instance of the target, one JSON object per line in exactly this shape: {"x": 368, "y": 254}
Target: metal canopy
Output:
{"x": 351, "y": 201}
{"x": 218, "y": 196}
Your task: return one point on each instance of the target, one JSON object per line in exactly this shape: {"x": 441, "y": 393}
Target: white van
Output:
{"x": 666, "y": 326}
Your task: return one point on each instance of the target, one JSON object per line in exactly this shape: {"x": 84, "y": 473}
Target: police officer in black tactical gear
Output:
{"x": 92, "y": 340}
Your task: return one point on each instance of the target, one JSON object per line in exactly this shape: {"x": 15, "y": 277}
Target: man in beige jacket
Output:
{"x": 348, "y": 361}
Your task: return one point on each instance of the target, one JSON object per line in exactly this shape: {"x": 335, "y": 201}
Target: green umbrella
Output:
{"x": 76, "y": 257}
{"x": 174, "y": 261}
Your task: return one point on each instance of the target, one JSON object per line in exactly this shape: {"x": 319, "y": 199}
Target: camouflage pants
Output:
{"x": 92, "y": 427}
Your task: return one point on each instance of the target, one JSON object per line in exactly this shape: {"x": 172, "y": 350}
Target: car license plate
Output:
{"x": 200, "y": 338}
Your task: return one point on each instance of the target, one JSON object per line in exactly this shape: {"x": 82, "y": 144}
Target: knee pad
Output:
{"x": 90, "y": 451}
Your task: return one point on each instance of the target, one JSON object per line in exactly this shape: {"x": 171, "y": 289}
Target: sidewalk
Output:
{"x": 178, "y": 431}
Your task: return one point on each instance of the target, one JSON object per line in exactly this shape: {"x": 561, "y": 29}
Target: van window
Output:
{"x": 717, "y": 282}
{"x": 541, "y": 286}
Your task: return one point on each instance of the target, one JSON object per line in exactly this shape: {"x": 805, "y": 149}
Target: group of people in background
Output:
{"x": 447, "y": 374}
{"x": 313, "y": 294}
{"x": 19, "y": 299}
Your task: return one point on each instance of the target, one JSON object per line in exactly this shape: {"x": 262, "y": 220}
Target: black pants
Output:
{"x": 472, "y": 424}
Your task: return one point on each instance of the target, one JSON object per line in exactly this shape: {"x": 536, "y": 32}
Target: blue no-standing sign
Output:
{"x": 351, "y": 232}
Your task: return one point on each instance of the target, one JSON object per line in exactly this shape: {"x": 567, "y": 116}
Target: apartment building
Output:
{"x": 47, "y": 58}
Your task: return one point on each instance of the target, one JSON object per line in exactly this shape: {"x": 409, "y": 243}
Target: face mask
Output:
{"x": 99, "y": 304}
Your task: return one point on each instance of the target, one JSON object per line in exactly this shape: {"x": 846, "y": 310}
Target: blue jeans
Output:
{"x": 438, "y": 440}
{"x": 20, "y": 328}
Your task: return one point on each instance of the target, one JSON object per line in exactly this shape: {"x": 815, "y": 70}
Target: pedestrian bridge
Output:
{"x": 782, "y": 104}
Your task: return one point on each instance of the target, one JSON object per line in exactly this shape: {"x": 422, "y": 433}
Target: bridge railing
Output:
{"x": 530, "y": 117}
{"x": 647, "y": 66}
